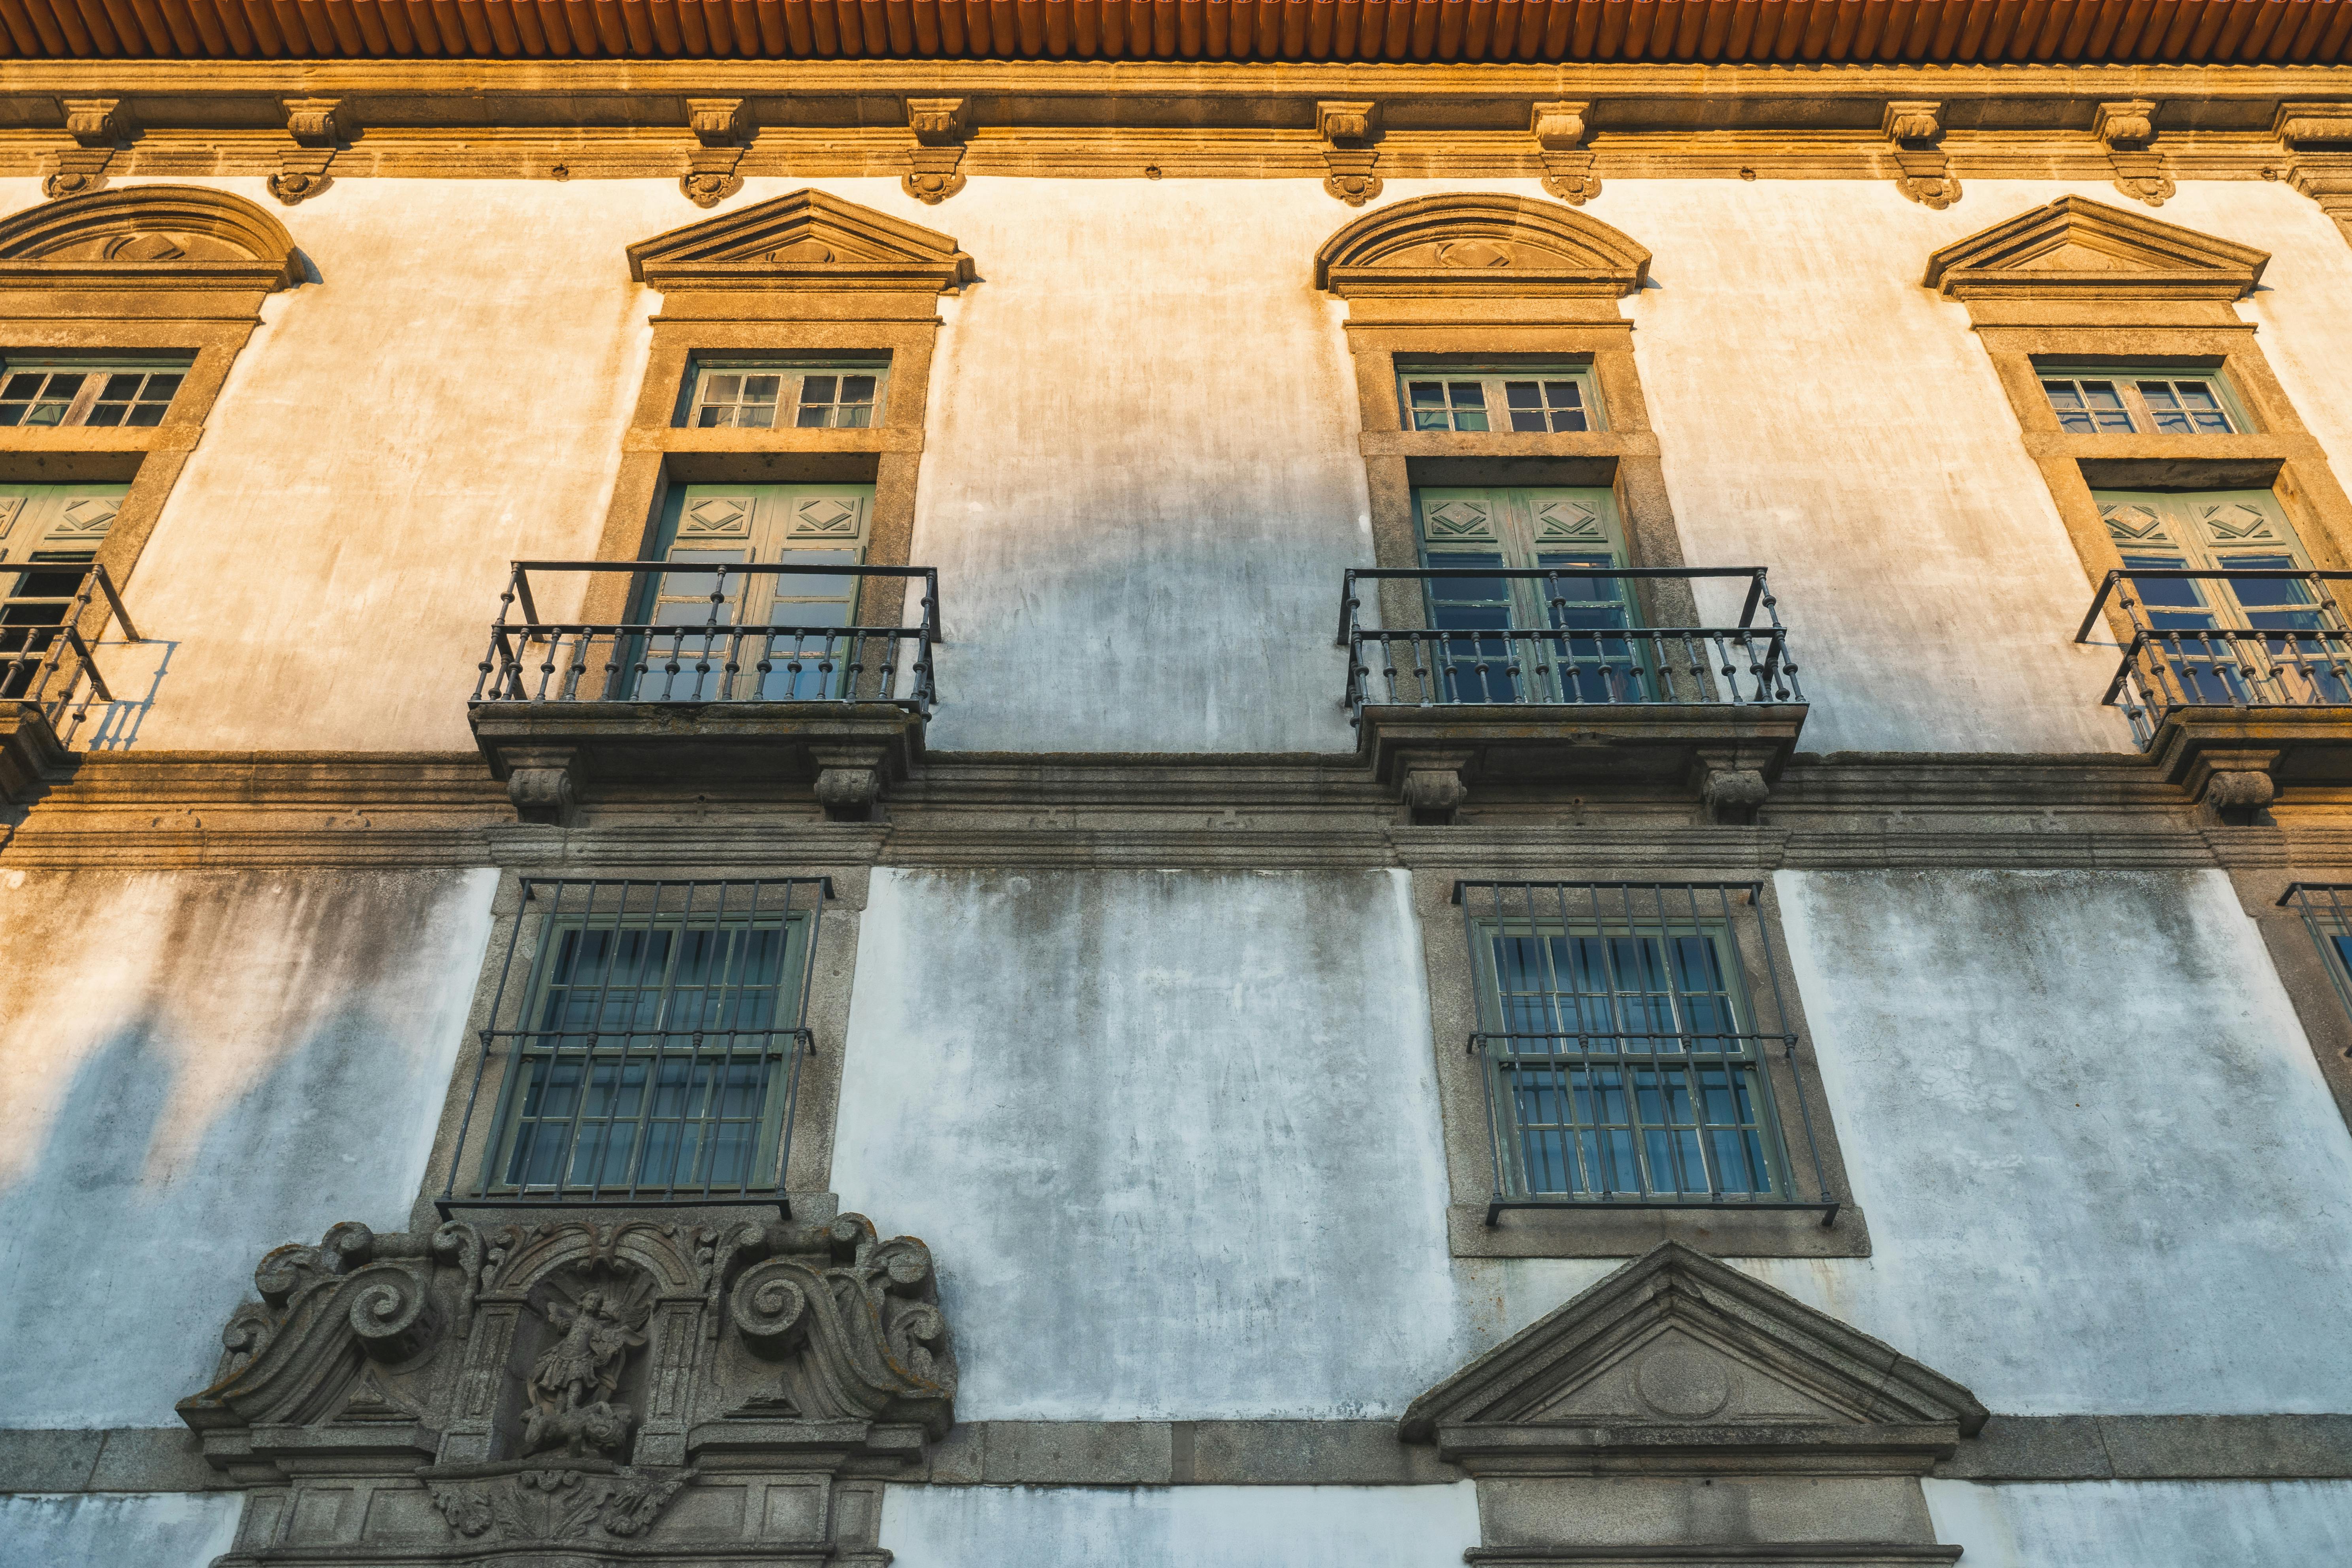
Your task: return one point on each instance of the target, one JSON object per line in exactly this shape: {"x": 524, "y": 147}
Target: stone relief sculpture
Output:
{"x": 484, "y": 1393}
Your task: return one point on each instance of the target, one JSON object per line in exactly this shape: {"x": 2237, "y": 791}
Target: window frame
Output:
{"x": 1492, "y": 376}
{"x": 89, "y": 394}
{"x": 2142, "y": 419}
{"x": 797, "y": 369}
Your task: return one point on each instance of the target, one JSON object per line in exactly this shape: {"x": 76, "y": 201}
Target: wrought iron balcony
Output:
{"x": 48, "y": 679}
{"x": 2252, "y": 705}
{"x": 1551, "y": 674}
{"x": 674, "y": 669}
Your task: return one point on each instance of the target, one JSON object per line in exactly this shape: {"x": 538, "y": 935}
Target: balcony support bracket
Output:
{"x": 1431, "y": 785}
{"x": 538, "y": 782}
{"x": 1733, "y": 788}
{"x": 849, "y": 781}
{"x": 31, "y": 755}
{"x": 2234, "y": 787}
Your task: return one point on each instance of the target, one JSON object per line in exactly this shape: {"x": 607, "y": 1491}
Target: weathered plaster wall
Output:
{"x": 195, "y": 1068}
{"x": 148, "y": 1530}
{"x": 1173, "y": 1137}
{"x": 1181, "y": 1527}
{"x": 2136, "y": 1524}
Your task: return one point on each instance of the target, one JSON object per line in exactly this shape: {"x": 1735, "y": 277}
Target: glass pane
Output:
{"x": 161, "y": 388}
{"x": 760, "y": 388}
{"x": 23, "y": 385}
{"x": 722, "y": 388}
{"x": 1523, "y": 394}
{"x": 1425, "y": 394}
{"x": 105, "y": 415}
{"x": 857, "y": 389}
{"x": 817, "y": 389}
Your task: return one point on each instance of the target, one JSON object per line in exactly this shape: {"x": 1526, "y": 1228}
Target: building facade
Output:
{"x": 1199, "y": 783}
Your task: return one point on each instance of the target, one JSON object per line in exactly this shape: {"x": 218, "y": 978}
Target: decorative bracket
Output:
{"x": 2319, "y": 137}
{"x": 1559, "y": 130}
{"x": 1431, "y": 785}
{"x": 940, "y": 125}
{"x": 849, "y": 779}
{"x": 1349, "y": 154}
{"x": 2126, "y": 130}
{"x": 318, "y": 129}
{"x": 1731, "y": 787}
{"x": 2235, "y": 787}
{"x": 538, "y": 782}
{"x": 1916, "y": 129}
{"x": 723, "y": 127}
{"x": 98, "y": 125}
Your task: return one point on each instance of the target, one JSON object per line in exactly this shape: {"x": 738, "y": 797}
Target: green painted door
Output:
{"x": 48, "y": 536}
{"x": 1569, "y": 534}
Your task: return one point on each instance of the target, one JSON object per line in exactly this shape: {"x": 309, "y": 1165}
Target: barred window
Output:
{"x": 2327, "y": 910}
{"x": 1629, "y": 1057}
{"x": 645, "y": 1041}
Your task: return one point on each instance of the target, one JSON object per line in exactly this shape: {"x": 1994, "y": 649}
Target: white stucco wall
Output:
{"x": 1175, "y": 1136}
{"x": 2142, "y": 1524}
{"x": 1179, "y": 1527}
{"x": 195, "y": 1068}
{"x": 150, "y": 1530}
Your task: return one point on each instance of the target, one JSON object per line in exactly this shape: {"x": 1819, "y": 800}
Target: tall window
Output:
{"x": 1523, "y": 400}
{"x": 654, "y": 1049}
{"x": 1626, "y": 1060}
{"x": 786, "y": 394}
{"x": 1525, "y": 586}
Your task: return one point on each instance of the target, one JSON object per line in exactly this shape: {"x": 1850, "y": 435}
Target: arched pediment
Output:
{"x": 2074, "y": 248}
{"x": 805, "y": 239}
{"x": 1480, "y": 245}
{"x": 149, "y": 236}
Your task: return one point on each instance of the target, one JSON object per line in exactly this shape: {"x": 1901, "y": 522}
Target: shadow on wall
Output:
{"x": 150, "y": 1161}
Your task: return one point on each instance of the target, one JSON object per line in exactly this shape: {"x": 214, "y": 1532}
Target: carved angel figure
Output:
{"x": 574, "y": 1380}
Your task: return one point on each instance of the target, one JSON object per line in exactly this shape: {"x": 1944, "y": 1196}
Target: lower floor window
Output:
{"x": 1625, "y": 1061}
{"x": 654, "y": 1045}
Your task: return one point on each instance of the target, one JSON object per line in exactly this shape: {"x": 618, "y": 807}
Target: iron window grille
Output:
{"x": 2326, "y": 911}
{"x": 1629, "y": 1060}
{"x": 645, "y": 1044}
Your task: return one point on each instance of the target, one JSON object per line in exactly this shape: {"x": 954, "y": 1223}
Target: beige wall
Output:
{"x": 1142, "y": 483}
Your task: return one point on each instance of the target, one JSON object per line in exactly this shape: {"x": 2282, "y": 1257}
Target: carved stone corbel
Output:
{"x": 849, "y": 781}
{"x": 1731, "y": 787}
{"x": 1916, "y": 129}
{"x": 1347, "y": 151}
{"x": 2127, "y": 130}
{"x": 723, "y": 127}
{"x": 2234, "y": 787}
{"x": 940, "y": 126}
{"x": 319, "y": 128}
{"x": 1431, "y": 785}
{"x": 2319, "y": 138}
{"x": 538, "y": 782}
{"x": 1559, "y": 130}
{"x": 98, "y": 125}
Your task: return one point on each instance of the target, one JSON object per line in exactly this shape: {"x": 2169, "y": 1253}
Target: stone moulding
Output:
{"x": 2077, "y": 249}
{"x": 804, "y": 239}
{"x": 1480, "y": 245}
{"x": 575, "y": 1383}
{"x": 148, "y": 236}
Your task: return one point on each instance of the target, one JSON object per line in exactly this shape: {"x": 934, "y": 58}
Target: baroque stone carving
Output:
{"x": 1346, "y": 129}
{"x": 1559, "y": 130}
{"x": 1706, "y": 1383}
{"x": 723, "y": 128}
{"x": 318, "y": 128}
{"x": 2126, "y": 130}
{"x": 149, "y": 236}
{"x": 2077, "y": 249}
{"x": 940, "y": 126}
{"x": 1479, "y": 245}
{"x": 1916, "y": 129}
{"x": 2319, "y": 138}
{"x": 804, "y": 239}
{"x": 538, "y": 782}
{"x": 576, "y": 1382}
{"x": 97, "y": 126}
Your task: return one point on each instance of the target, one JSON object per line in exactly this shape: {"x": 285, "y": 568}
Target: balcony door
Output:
{"x": 782, "y": 633}
{"x": 2227, "y": 531}
{"x": 1568, "y": 534}
{"x": 48, "y": 536}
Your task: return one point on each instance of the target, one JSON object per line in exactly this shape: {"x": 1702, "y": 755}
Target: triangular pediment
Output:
{"x": 147, "y": 236}
{"x": 2076, "y": 247}
{"x": 805, "y": 239}
{"x": 1677, "y": 1341}
{"x": 1479, "y": 245}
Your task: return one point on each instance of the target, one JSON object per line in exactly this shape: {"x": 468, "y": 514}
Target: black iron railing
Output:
{"x": 1629, "y": 1053}
{"x": 644, "y": 1044}
{"x": 719, "y": 632}
{"x": 2298, "y": 655}
{"x": 1578, "y": 651}
{"x": 43, "y": 659}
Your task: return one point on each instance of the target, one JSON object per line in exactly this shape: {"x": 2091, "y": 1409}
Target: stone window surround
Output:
{"x": 809, "y": 1157}
{"x": 1720, "y": 1230}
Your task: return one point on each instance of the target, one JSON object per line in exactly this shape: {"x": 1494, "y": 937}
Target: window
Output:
{"x": 2161, "y": 402}
{"x": 2327, "y": 910}
{"x": 656, "y": 1046}
{"x": 1534, "y": 399}
{"x": 37, "y": 392}
{"x": 788, "y": 395}
{"x": 1627, "y": 1055}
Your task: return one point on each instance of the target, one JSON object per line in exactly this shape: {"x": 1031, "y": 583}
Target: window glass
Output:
{"x": 1529, "y": 400}
{"x": 785, "y": 395}
{"x": 50, "y": 392}
{"x": 2150, "y": 403}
